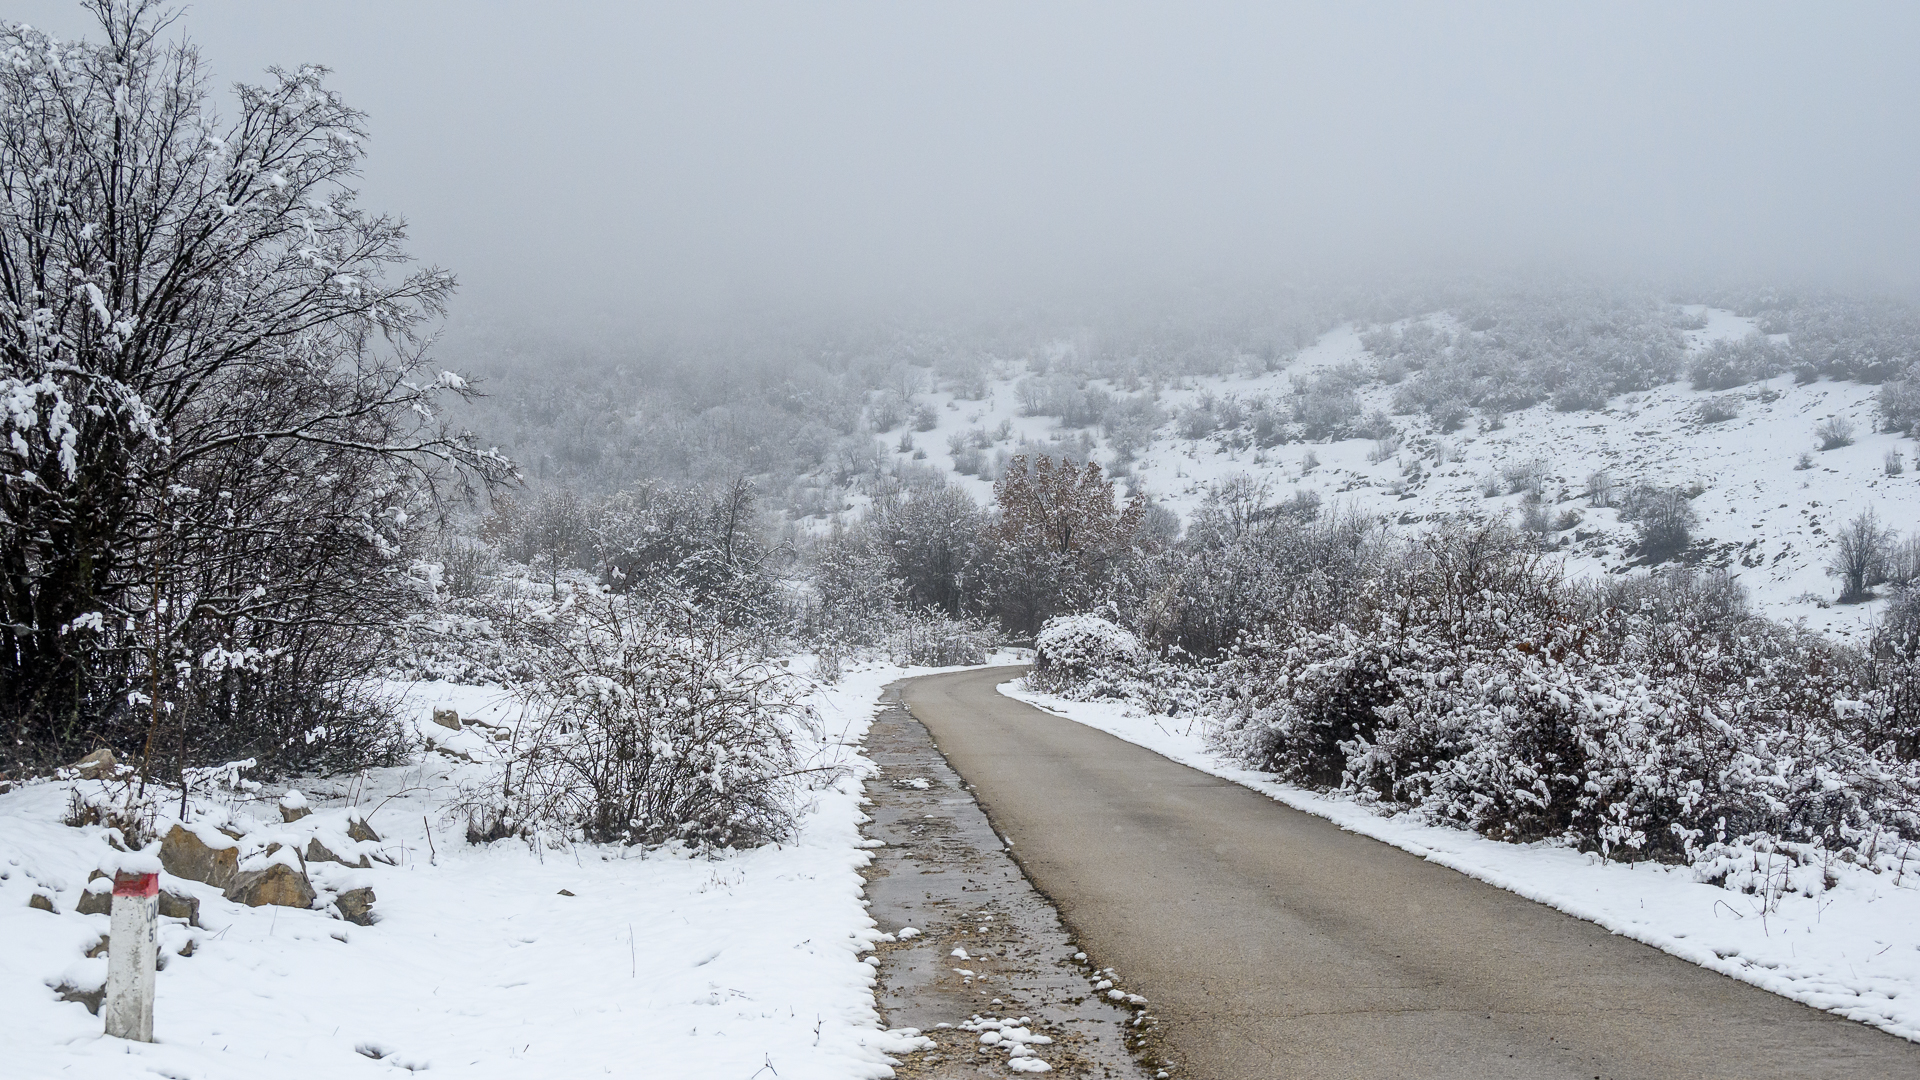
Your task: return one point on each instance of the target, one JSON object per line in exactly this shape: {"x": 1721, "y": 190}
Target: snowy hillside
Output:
{"x": 1762, "y": 512}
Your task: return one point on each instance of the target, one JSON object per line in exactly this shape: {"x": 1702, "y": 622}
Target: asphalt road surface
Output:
{"x": 1273, "y": 944}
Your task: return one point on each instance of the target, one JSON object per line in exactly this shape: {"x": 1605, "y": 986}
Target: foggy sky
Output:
{"x": 607, "y": 158}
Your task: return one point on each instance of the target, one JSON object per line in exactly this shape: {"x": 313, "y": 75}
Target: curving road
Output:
{"x": 1273, "y": 944}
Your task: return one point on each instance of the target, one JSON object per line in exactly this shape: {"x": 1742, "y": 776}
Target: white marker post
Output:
{"x": 132, "y": 955}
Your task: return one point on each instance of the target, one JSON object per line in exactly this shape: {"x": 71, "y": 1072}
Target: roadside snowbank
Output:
{"x": 1853, "y": 949}
{"x": 478, "y": 965}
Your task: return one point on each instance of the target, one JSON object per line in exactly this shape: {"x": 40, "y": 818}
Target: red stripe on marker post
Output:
{"x": 136, "y": 884}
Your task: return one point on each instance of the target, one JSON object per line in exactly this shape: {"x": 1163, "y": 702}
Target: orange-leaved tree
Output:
{"x": 1059, "y": 541}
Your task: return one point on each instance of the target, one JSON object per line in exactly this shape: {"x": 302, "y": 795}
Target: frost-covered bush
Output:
{"x": 887, "y": 411}
{"x": 1663, "y": 518}
{"x": 1724, "y": 365}
{"x": 704, "y": 544}
{"x": 1902, "y": 563}
{"x": 1129, "y": 425}
{"x": 1299, "y": 693}
{"x": 1077, "y": 404}
{"x": 1716, "y": 410}
{"x": 1324, "y": 404}
{"x": 1898, "y": 404}
{"x": 1893, "y": 679}
{"x": 1490, "y": 695}
{"x": 1859, "y": 558}
{"x": 1650, "y": 716}
{"x": 1865, "y": 340}
{"x": 1525, "y": 477}
{"x": 1084, "y": 653}
{"x": 1599, "y": 489}
{"x": 1248, "y": 562}
{"x": 929, "y": 638}
{"x": 1573, "y": 347}
{"x": 1707, "y": 601}
{"x": 644, "y": 731}
{"x": 1834, "y": 433}
{"x": 1585, "y": 391}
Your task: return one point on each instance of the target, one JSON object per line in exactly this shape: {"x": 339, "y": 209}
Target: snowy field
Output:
{"x": 480, "y": 963}
{"x": 1761, "y": 516}
{"x": 1853, "y": 949}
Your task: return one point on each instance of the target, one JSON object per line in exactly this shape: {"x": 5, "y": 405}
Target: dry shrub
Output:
{"x": 643, "y": 731}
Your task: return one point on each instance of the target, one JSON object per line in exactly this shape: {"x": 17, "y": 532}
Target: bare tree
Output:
{"x": 1059, "y": 538}
{"x": 219, "y": 410}
{"x": 1860, "y": 553}
{"x": 1663, "y": 519}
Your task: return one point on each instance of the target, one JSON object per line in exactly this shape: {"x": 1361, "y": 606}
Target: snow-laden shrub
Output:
{"x": 927, "y": 638}
{"x": 644, "y": 731}
{"x": 1834, "y": 432}
{"x": 704, "y": 544}
{"x": 1718, "y": 409}
{"x": 1724, "y": 365}
{"x": 1577, "y": 349}
{"x": 500, "y": 636}
{"x": 1248, "y": 562}
{"x": 1525, "y": 710}
{"x": 1651, "y": 717}
{"x": 1297, "y": 725}
{"x": 1084, "y": 653}
{"x": 1662, "y": 518}
{"x": 1898, "y": 403}
{"x": 1325, "y": 408}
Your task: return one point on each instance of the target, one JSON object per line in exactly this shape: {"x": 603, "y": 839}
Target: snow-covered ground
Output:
{"x": 480, "y": 963}
{"x": 1768, "y": 521}
{"x": 1853, "y": 949}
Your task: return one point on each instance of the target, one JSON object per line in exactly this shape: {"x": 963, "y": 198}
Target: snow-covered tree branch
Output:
{"x": 217, "y": 412}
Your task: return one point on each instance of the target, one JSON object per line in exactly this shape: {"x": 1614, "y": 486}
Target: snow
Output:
{"x": 480, "y": 963}
{"x": 1771, "y": 522}
{"x": 1085, "y": 643}
{"x": 1853, "y": 949}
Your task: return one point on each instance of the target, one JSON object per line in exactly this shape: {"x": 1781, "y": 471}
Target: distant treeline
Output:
{"x": 814, "y": 411}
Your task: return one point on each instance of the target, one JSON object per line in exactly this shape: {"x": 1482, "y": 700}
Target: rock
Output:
{"x": 293, "y": 807}
{"x": 187, "y": 949}
{"x": 174, "y": 904}
{"x": 96, "y": 901}
{"x": 447, "y": 718}
{"x": 279, "y": 884}
{"x": 97, "y": 765}
{"x": 40, "y": 902}
{"x": 92, "y": 999}
{"x": 179, "y": 905}
{"x": 99, "y": 947}
{"x": 564, "y": 892}
{"x": 319, "y": 852}
{"x": 356, "y": 906}
{"x": 184, "y": 855}
{"x": 358, "y": 829}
